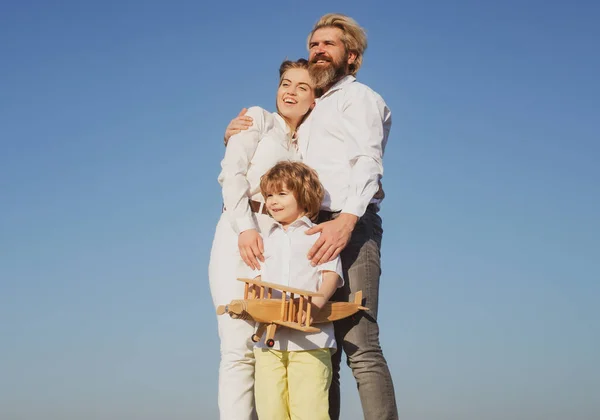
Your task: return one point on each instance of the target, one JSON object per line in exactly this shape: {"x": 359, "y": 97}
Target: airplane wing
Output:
{"x": 296, "y": 326}
{"x": 281, "y": 287}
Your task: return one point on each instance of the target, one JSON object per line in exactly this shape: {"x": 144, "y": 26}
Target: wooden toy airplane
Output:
{"x": 259, "y": 305}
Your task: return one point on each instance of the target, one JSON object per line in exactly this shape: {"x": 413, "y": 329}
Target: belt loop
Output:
{"x": 260, "y": 208}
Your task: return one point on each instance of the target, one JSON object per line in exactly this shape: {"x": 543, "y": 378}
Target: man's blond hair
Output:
{"x": 354, "y": 37}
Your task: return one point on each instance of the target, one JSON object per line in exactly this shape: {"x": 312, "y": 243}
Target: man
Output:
{"x": 343, "y": 139}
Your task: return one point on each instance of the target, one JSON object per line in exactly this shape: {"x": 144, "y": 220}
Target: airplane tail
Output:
{"x": 358, "y": 300}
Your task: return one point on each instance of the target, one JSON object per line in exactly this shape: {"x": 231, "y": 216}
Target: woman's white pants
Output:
{"x": 236, "y": 369}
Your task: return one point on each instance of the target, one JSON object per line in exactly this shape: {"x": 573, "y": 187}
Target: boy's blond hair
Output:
{"x": 301, "y": 180}
{"x": 354, "y": 37}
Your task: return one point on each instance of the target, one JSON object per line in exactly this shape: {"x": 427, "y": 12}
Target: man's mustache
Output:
{"x": 321, "y": 57}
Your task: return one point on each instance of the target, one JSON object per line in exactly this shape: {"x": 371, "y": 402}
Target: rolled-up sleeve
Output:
{"x": 334, "y": 265}
{"x": 366, "y": 123}
{"x": 234, "y": 167}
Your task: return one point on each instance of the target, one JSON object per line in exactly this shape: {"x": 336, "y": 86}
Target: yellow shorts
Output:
{"x": 292, "y": 385}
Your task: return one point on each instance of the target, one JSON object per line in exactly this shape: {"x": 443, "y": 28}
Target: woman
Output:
{"x": 237, "y": 241}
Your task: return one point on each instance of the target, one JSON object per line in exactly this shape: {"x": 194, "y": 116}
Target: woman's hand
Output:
{"x": 239, "y": 123}
{"x": 251, "y": 248}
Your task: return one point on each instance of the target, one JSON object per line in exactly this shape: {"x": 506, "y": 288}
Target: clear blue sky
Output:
{"x": 111, "y": 120}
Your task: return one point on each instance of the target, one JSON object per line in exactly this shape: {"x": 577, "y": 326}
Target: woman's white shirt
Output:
{"x": 248, "y": 155}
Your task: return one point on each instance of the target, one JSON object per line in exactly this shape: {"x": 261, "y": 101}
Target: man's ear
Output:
{"x": 312, "y": 106}
{"x": 351, "y": 57}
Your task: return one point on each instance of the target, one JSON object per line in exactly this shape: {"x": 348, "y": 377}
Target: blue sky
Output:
{"x": 111, "y": 119}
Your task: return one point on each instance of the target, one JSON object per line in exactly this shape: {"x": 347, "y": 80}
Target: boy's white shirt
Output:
{"x": 286, "y": 263}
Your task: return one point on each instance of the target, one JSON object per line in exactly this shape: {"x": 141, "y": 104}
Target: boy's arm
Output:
{"x": 255, "y": 287}
{"x": 331, "y": 281}
{"x": 331, "y": 278}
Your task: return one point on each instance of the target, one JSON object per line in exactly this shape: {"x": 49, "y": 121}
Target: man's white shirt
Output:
{"x": 286, "y": 264}
{"x": 344, "y": 139}
{"x": 248, "y": 156}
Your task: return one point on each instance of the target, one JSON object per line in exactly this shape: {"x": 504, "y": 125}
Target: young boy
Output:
{"x": 292, "y": 378}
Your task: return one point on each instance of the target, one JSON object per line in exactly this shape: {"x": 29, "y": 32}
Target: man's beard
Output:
{"x": 324, "y": 76}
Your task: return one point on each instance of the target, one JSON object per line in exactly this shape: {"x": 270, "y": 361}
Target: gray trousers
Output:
{"x": 358, "y": 336}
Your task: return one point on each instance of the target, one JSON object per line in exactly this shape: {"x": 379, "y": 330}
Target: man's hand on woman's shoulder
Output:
{"x": 239, "y": 123}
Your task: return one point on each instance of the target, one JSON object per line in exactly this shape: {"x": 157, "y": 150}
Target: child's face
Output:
{"x": 283, "y": 207}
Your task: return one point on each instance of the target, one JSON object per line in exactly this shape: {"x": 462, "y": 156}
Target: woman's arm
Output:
{"x": 236, "y": 188}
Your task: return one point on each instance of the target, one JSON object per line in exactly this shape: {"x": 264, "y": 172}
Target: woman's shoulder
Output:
{"x": 261, "y": 118}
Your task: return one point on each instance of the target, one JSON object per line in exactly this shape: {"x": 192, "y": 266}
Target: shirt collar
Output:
{"x": 304, "y": 220}
{"x": 282, "y": 123}
{"x": 339, "y": 85}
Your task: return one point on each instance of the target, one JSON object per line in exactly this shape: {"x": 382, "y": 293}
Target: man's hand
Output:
{"x": 335, "y": 235}
{"x": 239, "y": 123}
{"x": 251, "y": 248}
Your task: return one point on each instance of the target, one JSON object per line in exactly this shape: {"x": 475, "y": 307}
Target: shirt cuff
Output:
{"x": 245, "y": 223}
{"x": 356, "y": 206}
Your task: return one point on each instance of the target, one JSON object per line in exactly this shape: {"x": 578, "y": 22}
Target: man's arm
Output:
{"x": 237, "y": 125}
{"x": 366, "y": 124}
{"x": 334, "y": 237}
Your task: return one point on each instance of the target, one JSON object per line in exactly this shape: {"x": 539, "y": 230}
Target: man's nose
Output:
{"x": 319, "y": 50}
